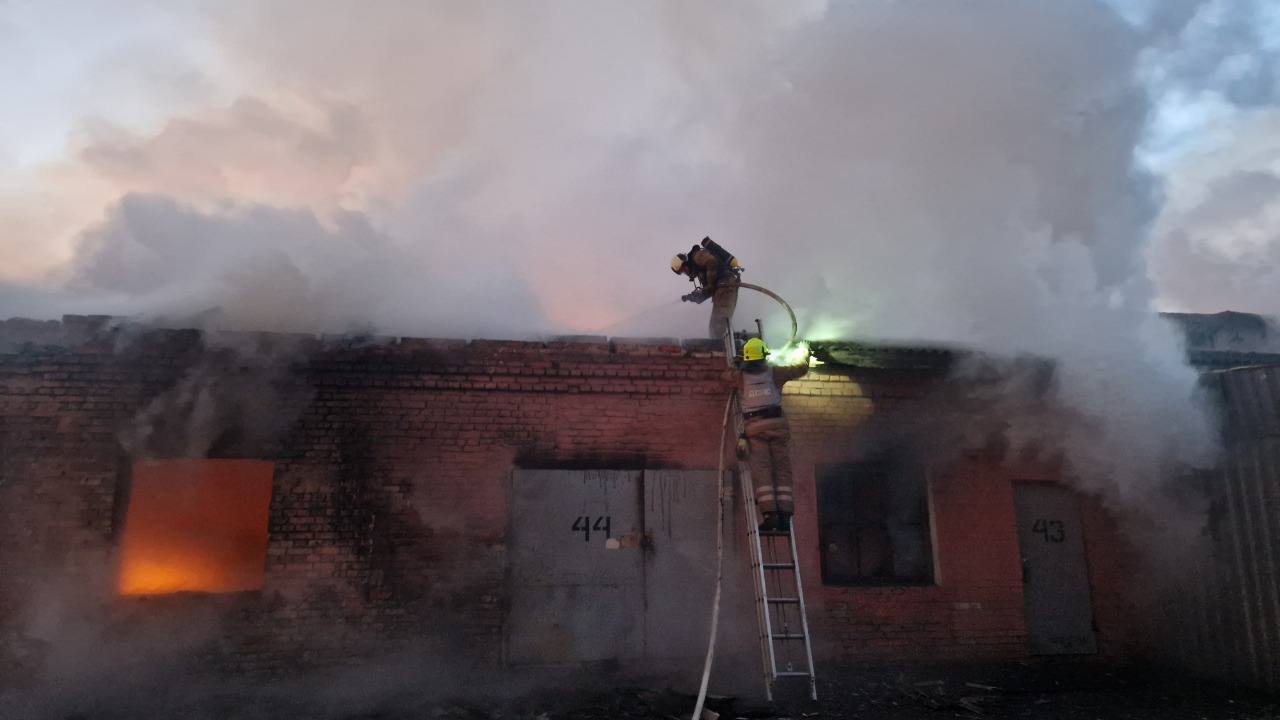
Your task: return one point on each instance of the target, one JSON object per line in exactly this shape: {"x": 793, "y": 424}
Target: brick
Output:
{"x": 384, "y": 427}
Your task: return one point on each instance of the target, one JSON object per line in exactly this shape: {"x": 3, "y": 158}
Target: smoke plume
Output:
{"x": 975, "y": 173}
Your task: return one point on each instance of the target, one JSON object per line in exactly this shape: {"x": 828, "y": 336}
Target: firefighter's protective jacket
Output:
{"x": 768, "y": 433}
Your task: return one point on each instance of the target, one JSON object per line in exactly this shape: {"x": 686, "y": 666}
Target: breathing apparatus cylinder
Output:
{"x": 721, "y": 254}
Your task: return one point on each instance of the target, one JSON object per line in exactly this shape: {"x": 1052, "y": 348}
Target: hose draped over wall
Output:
{"x": 715, "y": 603}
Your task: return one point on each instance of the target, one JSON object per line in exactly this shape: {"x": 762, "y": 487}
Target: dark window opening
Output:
{"x": 874, "y": 525}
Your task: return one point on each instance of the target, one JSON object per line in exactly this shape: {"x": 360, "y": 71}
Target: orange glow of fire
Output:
{"x": 195, "y": 526}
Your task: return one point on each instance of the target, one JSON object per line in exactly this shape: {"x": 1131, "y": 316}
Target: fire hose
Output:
{"x": 795, "y": 328}
{"x": 715, "y": 603}
{"x": 700, "y": 295}
{"x": 724, "y": 431}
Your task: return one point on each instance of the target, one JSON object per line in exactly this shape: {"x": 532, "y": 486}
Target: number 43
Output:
{"x": 1051, "y": 531}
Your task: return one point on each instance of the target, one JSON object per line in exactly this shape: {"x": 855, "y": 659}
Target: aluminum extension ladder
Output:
{"x": 785, "y": 646}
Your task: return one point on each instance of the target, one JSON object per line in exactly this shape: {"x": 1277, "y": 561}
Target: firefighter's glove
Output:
{"x": 697, "y": 297}
{"x": 744, "y": 447}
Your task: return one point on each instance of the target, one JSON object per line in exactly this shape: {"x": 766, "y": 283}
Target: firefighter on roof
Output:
{"x": 716, "y": 273}
{"x": 766, "y": 436}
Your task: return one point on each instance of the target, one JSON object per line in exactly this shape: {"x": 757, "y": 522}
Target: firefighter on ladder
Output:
{"x": 766, "y": 437}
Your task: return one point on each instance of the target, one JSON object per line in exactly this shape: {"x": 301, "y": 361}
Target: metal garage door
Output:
{"x": 1055, "y": 576}
{"x": 609, "y": 564}
{"x": 564, "y": 526}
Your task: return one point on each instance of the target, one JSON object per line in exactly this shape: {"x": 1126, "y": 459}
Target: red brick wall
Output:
{"x": 1122, "y": 616}
{"x": 974, "y": 609}
{"x": 391, "y": 469}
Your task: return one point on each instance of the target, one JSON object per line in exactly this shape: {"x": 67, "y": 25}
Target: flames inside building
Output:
{"x": 195, "y": 526}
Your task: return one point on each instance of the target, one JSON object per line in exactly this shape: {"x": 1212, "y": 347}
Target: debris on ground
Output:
{"x": 942, "y": 695}
{"x": 1021, "y": 691}
{"x": 1069, "y": 692}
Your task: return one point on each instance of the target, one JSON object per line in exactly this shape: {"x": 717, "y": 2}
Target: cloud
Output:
{"x": 1227, "y": 244}
{"x": 250, "y": 150}
{"x": 1212, "y": 70}
{"x": 1217, "y": 240}
{"x": 1219, "y": 46}
{"x": 1236, "y": 197}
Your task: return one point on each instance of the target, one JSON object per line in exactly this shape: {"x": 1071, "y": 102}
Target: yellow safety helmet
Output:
{"x": 677, "y": 263}
{"x": 754, "y": 349}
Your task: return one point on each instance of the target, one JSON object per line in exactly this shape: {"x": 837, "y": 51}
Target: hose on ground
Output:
{"x": 715, "y": 603}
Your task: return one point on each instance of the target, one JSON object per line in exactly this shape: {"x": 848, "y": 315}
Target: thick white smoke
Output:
{"x": 956, "y": 172}
{"x": 271, "y": 268}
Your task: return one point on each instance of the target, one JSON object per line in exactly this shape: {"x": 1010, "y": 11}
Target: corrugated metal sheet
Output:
{"x": 1251, "y": 400}
{"x": 1247, "y": 533}
{"x": 1224, "y": 620}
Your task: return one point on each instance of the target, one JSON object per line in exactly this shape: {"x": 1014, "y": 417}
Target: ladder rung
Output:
{"x": 784, "y": 600}
{"x": 793, "y": 674}
{"x": 788, "y": 636}
{"x": 778, "y": 566}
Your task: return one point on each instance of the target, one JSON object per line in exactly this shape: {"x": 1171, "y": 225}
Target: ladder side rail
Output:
{"x": 804, "y": 615}
{"x": 761, "y": 596}
{"x": 764, "y": 617}
{"x": 757, "y": 552}
{"x": 761, "y": 592}
{"x": 761, "y": 581}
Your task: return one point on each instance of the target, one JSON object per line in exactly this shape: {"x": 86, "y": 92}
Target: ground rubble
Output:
{"x": 1067, "y": 691}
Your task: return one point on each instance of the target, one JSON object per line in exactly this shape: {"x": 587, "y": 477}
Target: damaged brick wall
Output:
{"x": 418, "y": 439}
{"x": 974, "y": 608}
{"x": 389, "y": 509}
{"x": 974, "y": 611}
{"x": 388, "y": 517}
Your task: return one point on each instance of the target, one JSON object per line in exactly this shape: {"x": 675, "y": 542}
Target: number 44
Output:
{"x": 585, "y": 525}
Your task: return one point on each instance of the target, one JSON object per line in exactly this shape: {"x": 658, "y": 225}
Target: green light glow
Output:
{"x": 824, "y": 327}
{"x": 792, "y": 354}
